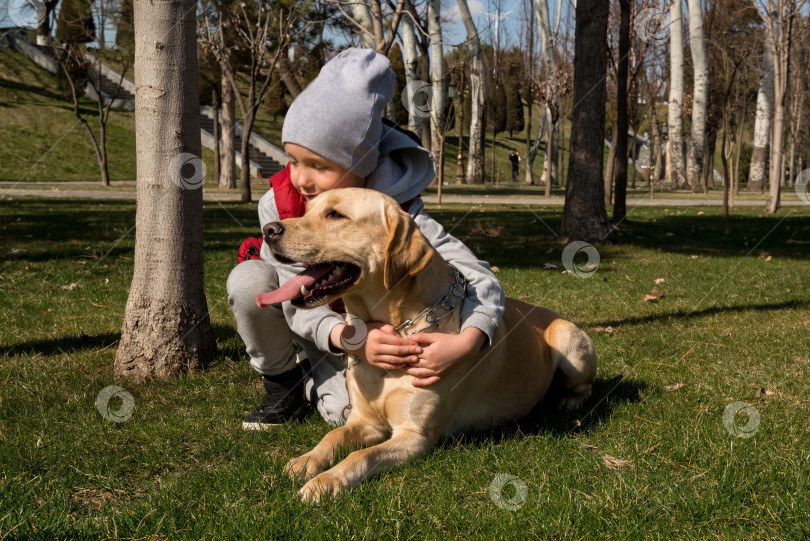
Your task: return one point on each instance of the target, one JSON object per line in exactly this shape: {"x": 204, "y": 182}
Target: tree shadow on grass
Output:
{"x": 684, "y": 315}
{"x": 228, "y": 344}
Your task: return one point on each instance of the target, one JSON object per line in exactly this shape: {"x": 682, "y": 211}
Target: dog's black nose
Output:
{"x": 273, "y": 231}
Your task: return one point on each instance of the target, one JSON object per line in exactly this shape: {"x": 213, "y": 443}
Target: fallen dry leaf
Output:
{"x": 674, "y": 387}
{"x": 653, "y": 295}
{"x": 495, "y": 269}
{"x": 609, "y": 330}
{"x": 659, "y": 281}
{"x": 616, "y": 464}
{"x": 69, "y": 287}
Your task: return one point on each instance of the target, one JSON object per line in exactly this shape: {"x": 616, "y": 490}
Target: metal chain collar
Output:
{"x": 448, "y": 302}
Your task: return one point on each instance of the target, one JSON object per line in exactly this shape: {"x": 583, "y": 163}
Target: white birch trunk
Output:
{"x": 166, "y": 329}
{"x": 549, "y": 63}
{"x": 475, "y": 155}
{"x": 362, "y": 14}
{"x": 411, "y": 57}
{"x": 227, "y": 163}
{"x": 762, "y": 122}
{"x": 677, "y": 165}
{"x": 436, "y": 81}
{"x": 700, "y": 91}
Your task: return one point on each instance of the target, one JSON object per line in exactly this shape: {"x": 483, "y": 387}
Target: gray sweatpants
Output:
{"x": 269, "y": 340}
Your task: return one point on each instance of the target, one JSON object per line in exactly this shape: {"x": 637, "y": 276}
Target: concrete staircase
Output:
{"x": 266, "y": 158}
{"x": 263, "y": 162}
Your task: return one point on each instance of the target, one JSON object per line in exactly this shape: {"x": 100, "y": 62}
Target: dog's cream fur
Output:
{"x": 392, "y": 421}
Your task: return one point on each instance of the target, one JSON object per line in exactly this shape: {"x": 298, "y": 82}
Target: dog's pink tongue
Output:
{"x": 292, "y": 288}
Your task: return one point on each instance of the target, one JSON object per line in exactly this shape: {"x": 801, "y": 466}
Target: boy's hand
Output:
{"x": 382, "y": 346}
{"x": 442, "y": 352}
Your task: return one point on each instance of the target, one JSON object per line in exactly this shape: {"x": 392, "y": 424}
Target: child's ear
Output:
{"x": 407, "y": 252}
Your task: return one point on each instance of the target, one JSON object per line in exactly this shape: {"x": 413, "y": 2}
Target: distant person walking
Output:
{"x": 514, "y": 157}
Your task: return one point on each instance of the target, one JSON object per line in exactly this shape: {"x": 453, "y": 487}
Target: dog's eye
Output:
{"x": 334, "y": 214}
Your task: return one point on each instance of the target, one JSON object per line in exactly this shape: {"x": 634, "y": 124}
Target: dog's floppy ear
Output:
{"x": 407, "y": 252}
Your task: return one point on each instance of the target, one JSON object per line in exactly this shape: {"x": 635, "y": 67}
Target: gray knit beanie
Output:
{"x": 339, "y": 115}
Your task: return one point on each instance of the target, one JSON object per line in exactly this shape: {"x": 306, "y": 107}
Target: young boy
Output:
{"x": 335, "y": 138}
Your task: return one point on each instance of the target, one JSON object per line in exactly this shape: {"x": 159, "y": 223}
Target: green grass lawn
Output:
{"x": 648, "y": 457}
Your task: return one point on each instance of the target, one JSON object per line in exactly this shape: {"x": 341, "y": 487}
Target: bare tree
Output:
{"x": 700, "y": 89}
{"x": 166, "y": 329}
{"x": 475, "y": 156}
{"x": 762, "y": 121}
{"x": 677, "y": 164}
{"x": 584, "y": 215}
{"x": 255, "y": 33}
{"x": 80, "y": 70}
{"x": 411, "y": 59}
{"x": 371, "y": 19}
{"x": 778, "y": 30}
{"x": 551, "y": 112}
{"x": 620, "y": 171}
{"x": 437, "y": 86}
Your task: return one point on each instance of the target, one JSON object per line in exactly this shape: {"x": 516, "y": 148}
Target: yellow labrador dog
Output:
{"x": 359, "y": 245}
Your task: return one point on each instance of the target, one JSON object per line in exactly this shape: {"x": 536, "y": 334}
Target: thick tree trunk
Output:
{"x": 762, "y": 123}
{"x": 620, "y": 172}
{"x": 475, "y": 154}
{"x": 677, "y": 163}
{"x": 227, "y": 163}
{"x": 166, "y": 330}
{"x": 584, "y": 216}
{"x": 700, "y": 90}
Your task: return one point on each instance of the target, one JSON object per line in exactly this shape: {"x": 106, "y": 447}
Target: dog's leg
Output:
{"x": 352, "y": 435}
{"x": 364, "y": 463}
{"x": 575, "y": 359}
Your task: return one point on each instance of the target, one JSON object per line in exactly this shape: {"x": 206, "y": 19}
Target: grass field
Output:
{"x": 650, "y": 455}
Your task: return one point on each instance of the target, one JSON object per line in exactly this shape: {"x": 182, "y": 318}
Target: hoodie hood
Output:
{"x": 404, "y": 168}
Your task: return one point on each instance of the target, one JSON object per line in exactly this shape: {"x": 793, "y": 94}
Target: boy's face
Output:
{"x": 312, "y": 174}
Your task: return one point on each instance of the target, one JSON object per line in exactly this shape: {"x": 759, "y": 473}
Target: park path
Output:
{"x": 62, "y": 190}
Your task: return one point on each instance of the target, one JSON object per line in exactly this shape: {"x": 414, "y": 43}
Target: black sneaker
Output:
{"x": 283, "y": 401}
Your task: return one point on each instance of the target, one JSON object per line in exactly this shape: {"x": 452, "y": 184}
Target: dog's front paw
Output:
{"x": 324, "y": 485}
{"x": 303, "y": 467}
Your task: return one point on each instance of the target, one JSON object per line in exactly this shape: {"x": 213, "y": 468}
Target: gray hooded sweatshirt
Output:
{"x": 404, "y": 169}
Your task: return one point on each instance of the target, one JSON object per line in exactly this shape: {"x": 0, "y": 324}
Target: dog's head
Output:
{"x": 351, "y": 240}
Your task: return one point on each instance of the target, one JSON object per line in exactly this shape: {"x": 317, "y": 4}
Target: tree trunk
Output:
{"x": 227, "y": 164}
{"x": 762, "y": 123}
{"x": 288, "y": 77}
{"x": 217, "y": 138}
{"x": 700, "y": 90}
{"x": 611, "y": 164}
{"x": 549, "y": 62}
{"x": 675, "y": 110}
{"x": 654, "y": 171}
{"x": 779, "y": 32}
{"x": 584, "y": 216}
{"x": 529, "y": 174}
{"x": 436, "y": 81}
{"x": 362, "y": 14}
{"x": 411, "y": 60}
{"x": 166, "y": 329}
{"x": 620, "y": 172}
{"x": 475, "y": 153}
